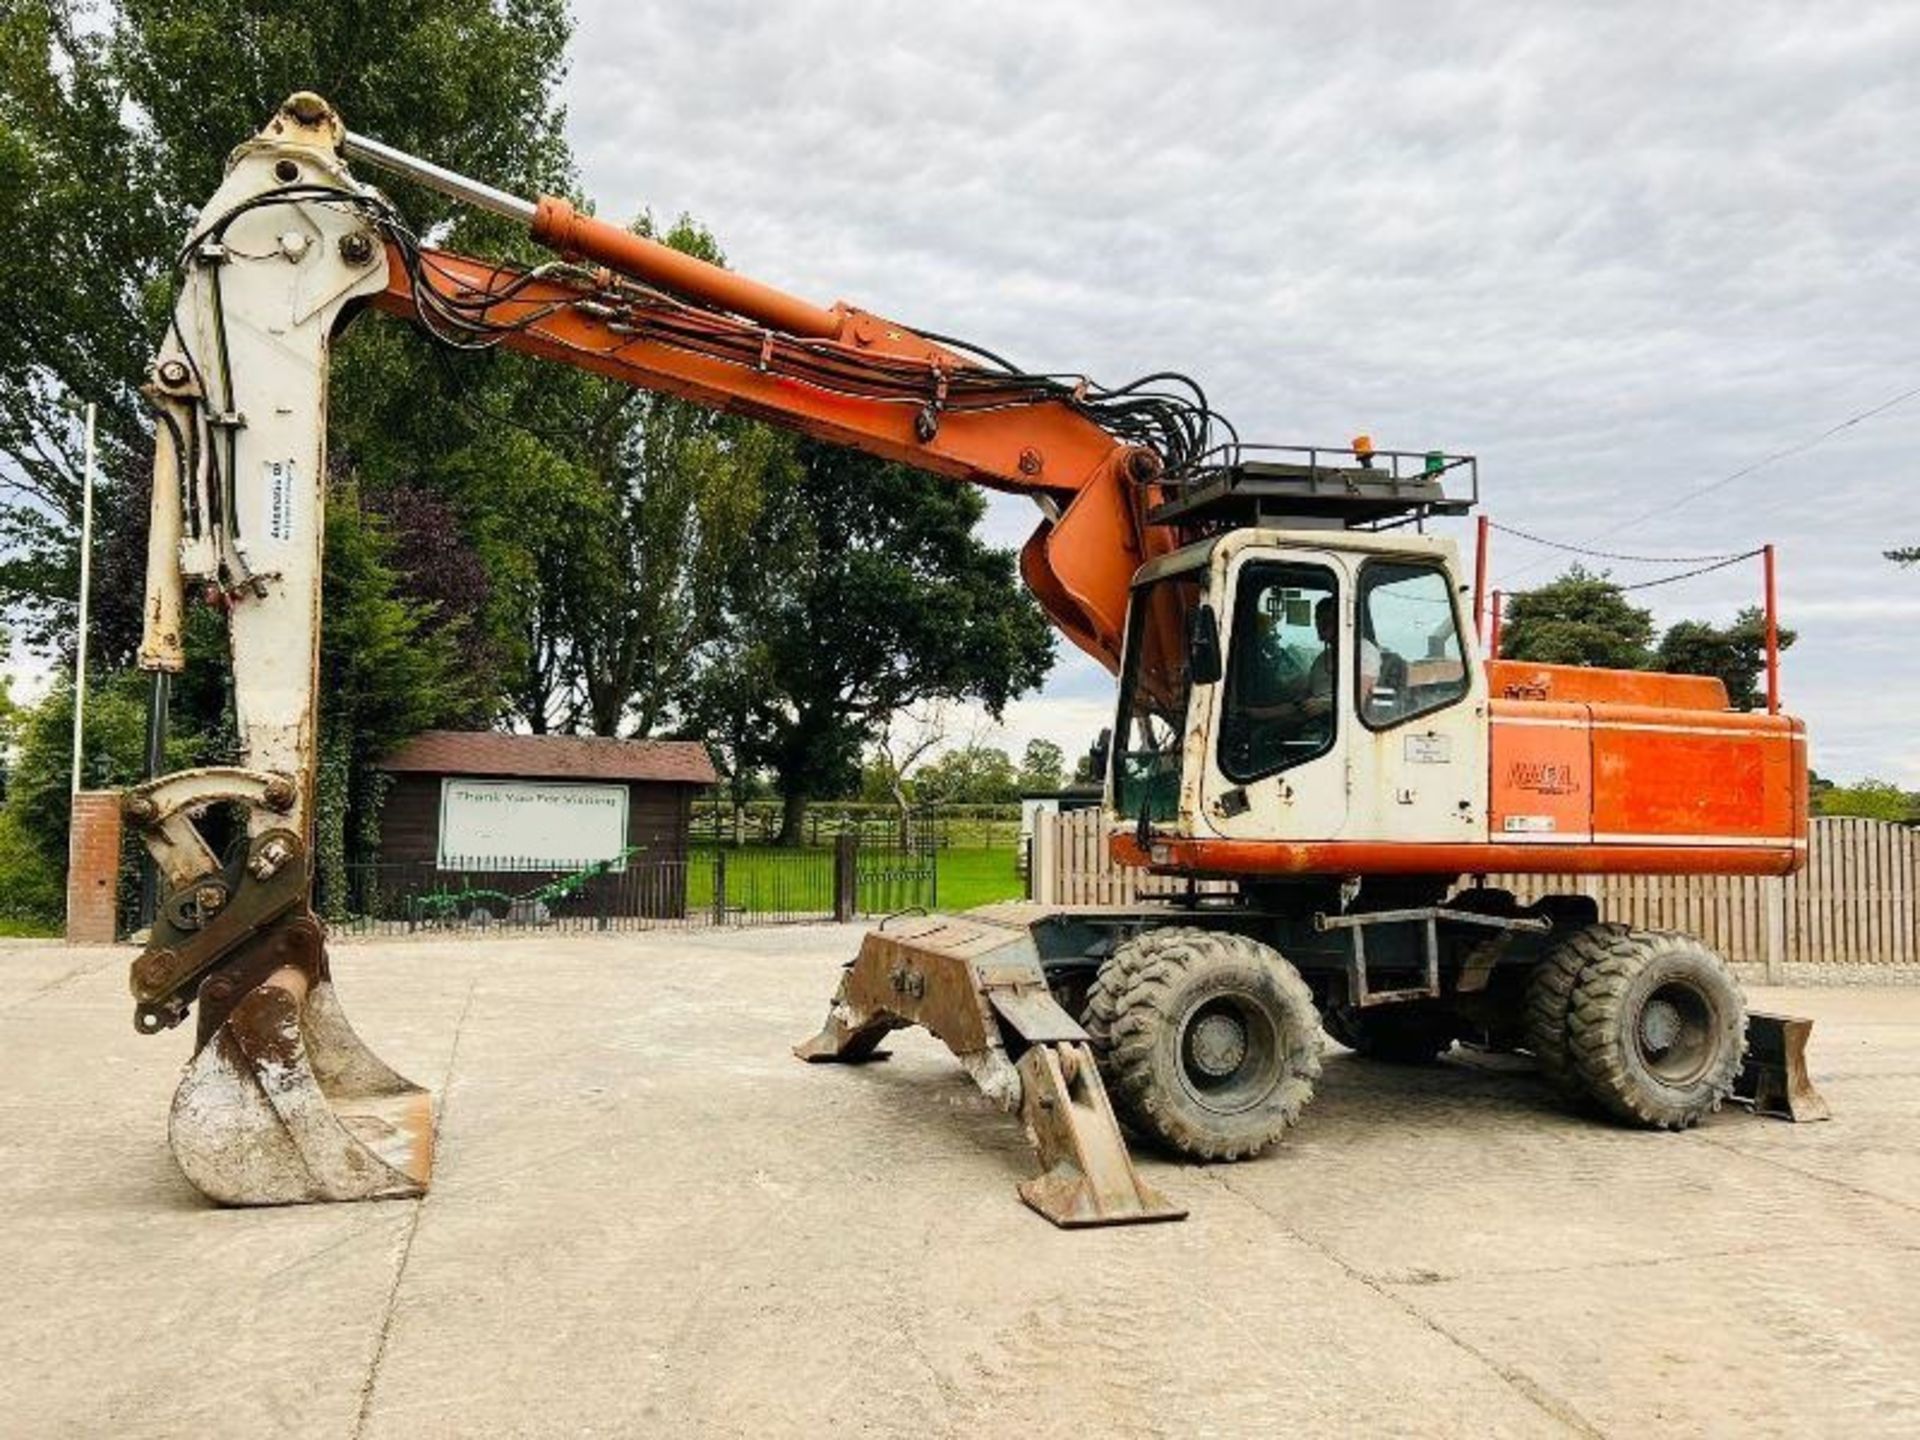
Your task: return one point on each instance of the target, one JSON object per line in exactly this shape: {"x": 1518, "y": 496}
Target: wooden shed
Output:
{"x": 481, "y": 800}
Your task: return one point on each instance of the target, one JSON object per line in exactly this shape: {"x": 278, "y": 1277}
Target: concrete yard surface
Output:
{"x": 648, "y": 1219}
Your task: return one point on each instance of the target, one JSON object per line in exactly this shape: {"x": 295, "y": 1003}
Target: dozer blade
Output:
{"x": 284, "y": 1104}
{"x": 1774, "y": 1079}
{"x": 980, "y": 988}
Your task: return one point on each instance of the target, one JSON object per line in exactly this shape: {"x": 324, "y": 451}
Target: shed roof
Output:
{"x": 552, "y": 757}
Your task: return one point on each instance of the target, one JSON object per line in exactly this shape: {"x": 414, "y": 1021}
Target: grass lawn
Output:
{"x": 11, "y": 929}
{"x": 978, "y": 876}
{"x": 765, "y": 880}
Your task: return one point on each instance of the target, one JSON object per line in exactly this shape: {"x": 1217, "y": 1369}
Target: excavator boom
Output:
{"x": 282, "y": 1102}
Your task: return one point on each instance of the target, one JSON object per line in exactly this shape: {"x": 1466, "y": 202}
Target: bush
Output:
{"x": 31, "y": 892}
{"x": 1869, "y": 799}
{"x": 113, "y": 754}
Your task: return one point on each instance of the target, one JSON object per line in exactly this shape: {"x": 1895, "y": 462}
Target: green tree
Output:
{"x": 971, "y": 775}
{"x": 1084, "y": 770}
{"x": 390, "y": 666}
{"x": 906, "y": 741}
{"x": 31, "y": 893}
{"x": 30, "y": 889}
{"x": 1578, "y": 619}
{"x": 1735, "y": 654}
{"x": 865, "y": 591}
{"x": 78, "y": 188}
{"x": 1872, "y": 799}
{"x": 1042, "y": 766}
{"x": 112, "y": 754}
{"x": 605, "y": 517}
{"x": 9, "y": 710}
{"x": 684, "y": 485}
{"x": 112, "y": 133}
{"x": 1586, "y": 619}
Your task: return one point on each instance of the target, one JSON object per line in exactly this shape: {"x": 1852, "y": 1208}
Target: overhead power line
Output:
{"x": 1689, "y": 574}
{"x": 1689, "y": 496}
{"x": 1608, "y": 554}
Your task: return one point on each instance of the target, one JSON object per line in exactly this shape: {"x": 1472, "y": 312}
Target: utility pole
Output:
{"x": 86, "y": 588}
{"x": 157, "y": 696}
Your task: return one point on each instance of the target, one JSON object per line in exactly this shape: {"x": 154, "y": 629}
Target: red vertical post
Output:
{"x": 1493, "y": 629}
{"x": 1773, "y": 636}
{"x": 93, "y": 868}
{"x": 1480, "y": 579}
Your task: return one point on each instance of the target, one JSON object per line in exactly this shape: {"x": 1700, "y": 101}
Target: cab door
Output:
{"x": 1418, "y": 704}
{"x": 1275, "y": 726}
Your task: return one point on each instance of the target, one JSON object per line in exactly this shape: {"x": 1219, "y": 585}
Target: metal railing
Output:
{"x": 717, "y": 821}
{"x": 708, "y": 886}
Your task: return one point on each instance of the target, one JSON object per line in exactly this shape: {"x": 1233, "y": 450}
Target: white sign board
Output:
{"x": 547, "y": 822}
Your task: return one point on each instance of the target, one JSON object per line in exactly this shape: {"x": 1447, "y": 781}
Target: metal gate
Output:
{"x": 895, "y": 866}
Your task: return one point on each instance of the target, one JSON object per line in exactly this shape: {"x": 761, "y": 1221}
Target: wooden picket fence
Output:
{"x": 1855, "y": 905}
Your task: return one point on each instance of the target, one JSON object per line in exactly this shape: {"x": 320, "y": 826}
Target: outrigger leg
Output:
{"x": 1774, "y": 1078}
{"x": 980, "y": 988}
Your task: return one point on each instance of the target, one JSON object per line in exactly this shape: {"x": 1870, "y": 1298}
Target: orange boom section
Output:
{"x": 840, "y": 375}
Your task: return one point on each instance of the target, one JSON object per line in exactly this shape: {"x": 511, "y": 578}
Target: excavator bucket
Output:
{"x": 283, "y": 1104}
{"x": 980, "y": 988}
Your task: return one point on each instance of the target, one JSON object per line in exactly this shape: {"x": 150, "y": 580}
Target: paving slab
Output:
{"x": 648, "y": 1219}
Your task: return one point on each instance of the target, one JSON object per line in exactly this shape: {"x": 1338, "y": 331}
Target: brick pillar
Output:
{"x": 93, "y": 868}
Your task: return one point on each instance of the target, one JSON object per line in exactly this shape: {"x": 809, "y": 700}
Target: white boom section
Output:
{"x": 240, "y": 387}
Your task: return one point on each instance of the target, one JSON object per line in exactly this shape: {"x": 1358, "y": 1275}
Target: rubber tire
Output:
{"x": 1410, "y": 1034}
{"x": 1550, "y": 1002}
{"x": 1133, "y": 1016}
{"x": 1606, "y": 1011}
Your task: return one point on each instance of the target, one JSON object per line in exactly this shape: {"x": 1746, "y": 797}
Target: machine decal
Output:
{"x": 1429, "y": 750}
{"x": 281, "y": 477}
{"x": 1545, "y": 777}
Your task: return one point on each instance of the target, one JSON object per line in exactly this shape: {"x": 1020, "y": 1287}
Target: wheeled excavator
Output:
{"x": 1303, "y": 711}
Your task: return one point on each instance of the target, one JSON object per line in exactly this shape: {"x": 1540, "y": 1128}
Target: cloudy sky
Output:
{"x": 1620, "y": 251}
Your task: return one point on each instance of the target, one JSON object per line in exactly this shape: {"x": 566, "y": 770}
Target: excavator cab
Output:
{"x": 1291, "y": 684}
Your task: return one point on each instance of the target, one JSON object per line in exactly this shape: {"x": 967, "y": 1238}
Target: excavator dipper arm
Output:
{"x": 281, "y": 1101}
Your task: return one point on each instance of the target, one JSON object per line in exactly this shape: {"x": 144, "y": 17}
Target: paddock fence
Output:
{"x": 1853, "y": 913}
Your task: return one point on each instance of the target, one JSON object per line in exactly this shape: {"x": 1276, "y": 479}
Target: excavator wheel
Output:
{"x": 1657, "y": 1029}
{"x": 1410, "y": 1034}
{"x": 1550, "y": 1001}
{"x": 1209, "y": 1041}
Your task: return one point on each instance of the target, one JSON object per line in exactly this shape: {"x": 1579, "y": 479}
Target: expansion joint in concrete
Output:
{"x": 371, "y": 1383}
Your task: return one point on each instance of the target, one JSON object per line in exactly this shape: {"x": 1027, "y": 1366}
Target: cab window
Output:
{"x": 1282, "y": 669}
{"x": 1154, "y": 690}
{"x": 1409, "y": 660}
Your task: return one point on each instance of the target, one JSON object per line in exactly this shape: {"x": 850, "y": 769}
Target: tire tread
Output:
{"x": 1595, "y": 1026}
{"x": 1129, "y": 1005}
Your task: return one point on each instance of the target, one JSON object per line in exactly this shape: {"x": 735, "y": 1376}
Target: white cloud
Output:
{"x": 1619, "y": 251}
